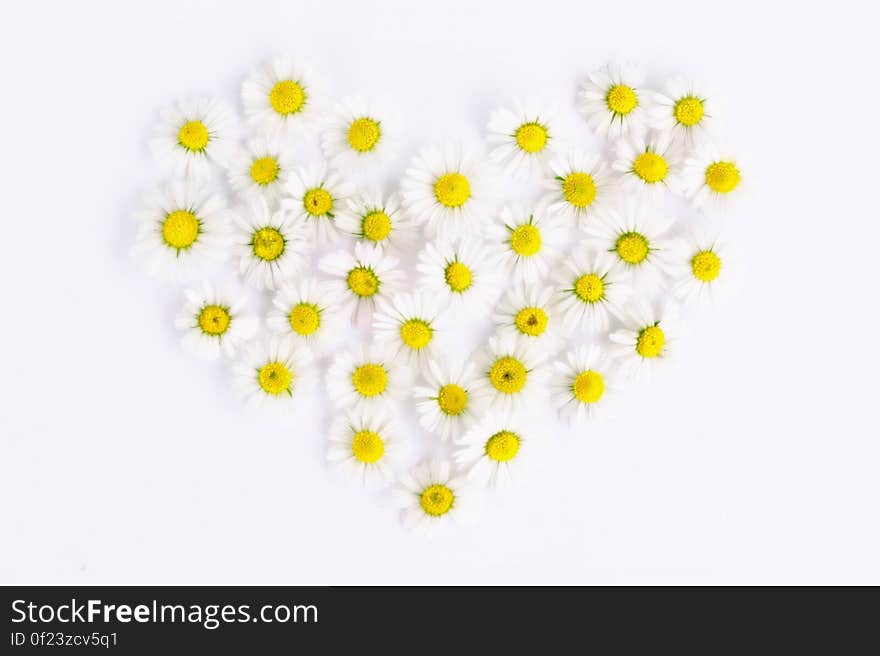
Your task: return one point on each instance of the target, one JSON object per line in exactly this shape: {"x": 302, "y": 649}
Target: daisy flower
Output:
{"x": 637, "y": 241}
{"x": 590, "y": 289}
{"x": 366, "y": 447}
{"x": 460, "y": 276}
{"x": 282, "y": 96}
{"x": 315, "y": 195}
{"x": 214, "y": 321}
{"x": 613, "y": 102}
{"x": 429, "y": 494}
{"x": 362, "y": 278}
{"x": 500, "y": 451}
{"x": 305, "y": 312}
{"x": 510, "y": 372}
{"x": 445, "y": 402}
{"x": 684, "y": 110}
{"x": 526, "y": 243}
{"x": 585, "y": 385}
{"x": 648, "y": 339}
{"x": 383, "y": 223}
{"x": 262, "y": 167}
{"x": 701, "y": 268}
{"x": 181, "y": 229}
{"x": 361, "y": 133}
{"x": 649, "y": 163}
{"x": 365, "y": 378}
{"x": 269, "y": 248}
{"x": 447, "y": 191}
{"x": 712, "y": 176}
{"x": 190, "y": 133}
{"x": 531, "y": 313}
{"x": 274, "y": 370}
{"x": 409, "y": 326}
{"x": 522, "y": 138}
{"x": 580, "y": 186}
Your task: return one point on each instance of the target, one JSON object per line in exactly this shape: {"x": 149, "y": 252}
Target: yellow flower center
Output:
{"x": 531, "y": 137}
{"x": 416, "y": 333}
{"x": 650, "y": 342}
{"x": 579, "y": 189}
{"x": 318, "y": 202}
{"x": 268, "y": 243}
{"x": 722, "y": 177}
{"x": 275, "y": 378}
{"x": 264, "y": 170}
{"x": 508, "y": 375}
{"x": 458, "y": 277}
{"x": 369, "y": 379}
{"x": 502, "y": 446}
{"x": 632, "y": 247}
{"x": 452, "y": 399}
{"x": 436, "y": 500}
{"x": 367, "y": 447}
{"x": 531, "y": 321}
{"x": 193, "y": 136}
{"x": 621, "y": 99}
{"x": 287, "y": 97}
{"x": 525, "y": 240}
{"x": 214, "y": 320}
{"x": 452, "y": 190}
{"x": 688, "y": 111}
{"x": 706, "y": 266}
{"x": 590, "y": 288}
{"x": 362, "y": 281}
{"x": 304, "y": 318}
{"x": 363, "y": 134}
{"x": 180, "y": 229}
{"x": 376, "y": 225}
{"x": 650, "y": 167}
{"x": 588, "y": 386}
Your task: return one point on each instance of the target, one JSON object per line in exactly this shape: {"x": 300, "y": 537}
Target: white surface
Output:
{"x": 126, "y": 461}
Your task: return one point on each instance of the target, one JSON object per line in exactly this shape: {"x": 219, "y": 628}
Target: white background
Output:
{"x": 124, "y": 460}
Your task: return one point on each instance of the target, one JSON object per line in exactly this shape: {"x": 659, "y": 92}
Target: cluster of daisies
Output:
{"x": 581, "y": 287}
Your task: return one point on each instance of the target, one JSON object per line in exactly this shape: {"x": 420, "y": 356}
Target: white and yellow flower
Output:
{"x": 701, "y": 268}
{"x": 268, "y": 245}
{"x": 522, "y": 139}
{"x": 274, "y": 370}
{"x": 448, "y": 192}
{"x": 590, "y": 289}
{"x": 190, "y": 134}
{"x": 366, "y": 447}
{"x": 613, "y": 102}
{"x": 376, "y": 221}
{"x": 460, "y": 275}
{"x": 585, "y": 386}
{"x": 684, "y": 110}
{"x": 305, "y": 311}
{"x": 526, "y": 243}
{"x": 365, "y": 378}
{"x": 430, "y": 494}
{"x": 445, "y": 402}
{"x": 511, "y": 374}
{"x": 282, "y": 97}
{"x": 262, "y": 167}
{"x": 315, "y": 195}
{"x": 361, "y": 279}
{"x": 500, "y": 451}
{"x": 182, "y": 230}
{"x": 650, "y": 164}
{"x": 580, "y": 186}
{"x": 214, "y": 321}
{"x": 530, "y": 312}
{"x": 648, "y": 340}
{"x": 411, "y": 327}
{"x": 361, "y": 133}
{"x": 712, "y": 177}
